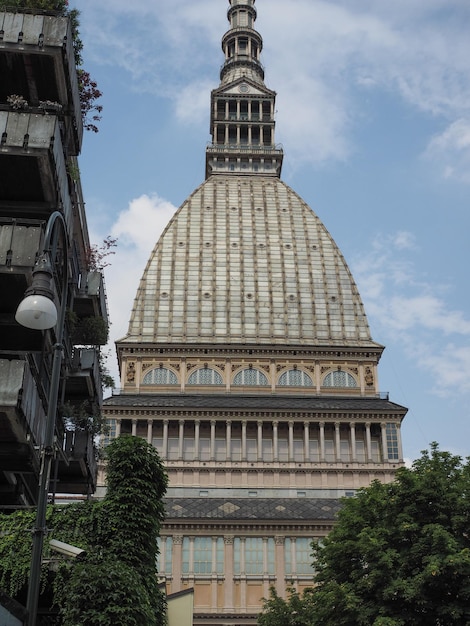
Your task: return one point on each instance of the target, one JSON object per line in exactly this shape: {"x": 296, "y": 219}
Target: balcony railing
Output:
{"x": 33, "y": 142}
{"x": 45, "y": 41}
{"x": 240, "y": 147}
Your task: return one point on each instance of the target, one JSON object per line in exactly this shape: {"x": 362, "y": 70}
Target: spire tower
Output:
{"x": 242, "y": 107}
{"x": 249, "y": 364}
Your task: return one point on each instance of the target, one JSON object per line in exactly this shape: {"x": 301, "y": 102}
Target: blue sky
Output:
{"x": 373, "y": 111}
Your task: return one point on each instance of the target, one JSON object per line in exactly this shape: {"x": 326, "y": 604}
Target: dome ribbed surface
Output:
{"x": 245, "y": 260}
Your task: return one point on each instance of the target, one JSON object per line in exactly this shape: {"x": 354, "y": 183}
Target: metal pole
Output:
{"x": 40, "y": 529}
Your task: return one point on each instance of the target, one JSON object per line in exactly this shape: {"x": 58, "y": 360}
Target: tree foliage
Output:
{"x": 399, "y": 554}
{"x": 297, "y": 610}
{"x": 114, "y": 583}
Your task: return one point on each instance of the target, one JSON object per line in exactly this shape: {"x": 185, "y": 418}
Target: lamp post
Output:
{"x": 38, "y": 311}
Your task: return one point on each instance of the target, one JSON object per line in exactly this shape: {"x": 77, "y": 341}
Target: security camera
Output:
{"x": 71, "y": 552}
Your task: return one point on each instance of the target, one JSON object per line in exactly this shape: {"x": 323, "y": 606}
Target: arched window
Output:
{"x": 250, "y": 377}
{"x": 295, "y": 378}
{"x": 339, "y": 379}
{"x": 160, "y": 376}
{"x": 205, "y": 376}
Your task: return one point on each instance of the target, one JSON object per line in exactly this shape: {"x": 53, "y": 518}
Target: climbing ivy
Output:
{"x": 114, "y": 583}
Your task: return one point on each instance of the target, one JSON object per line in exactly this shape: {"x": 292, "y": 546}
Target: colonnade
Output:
{"x": 273, "y": 441}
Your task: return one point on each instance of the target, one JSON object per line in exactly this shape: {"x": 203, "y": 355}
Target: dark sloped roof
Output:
{"x": 254, "y": 402}
{"x": 252, "y": 508}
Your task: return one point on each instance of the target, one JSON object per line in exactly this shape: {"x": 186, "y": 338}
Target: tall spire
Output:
{"x": 242, "y": 107}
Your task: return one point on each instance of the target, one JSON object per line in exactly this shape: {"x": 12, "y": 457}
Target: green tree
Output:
{"x": 297, "y": 610}
{"x": 114, "y": 583}
{"x": 400, "y": 553}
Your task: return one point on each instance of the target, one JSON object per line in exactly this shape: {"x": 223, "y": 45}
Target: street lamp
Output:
{"x": 38, "y": 311}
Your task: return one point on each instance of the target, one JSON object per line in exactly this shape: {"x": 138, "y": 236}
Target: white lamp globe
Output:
{"x": 36, "y": 312}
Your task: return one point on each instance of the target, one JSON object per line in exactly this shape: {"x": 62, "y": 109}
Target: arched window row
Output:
{"x": 250, "y": 377}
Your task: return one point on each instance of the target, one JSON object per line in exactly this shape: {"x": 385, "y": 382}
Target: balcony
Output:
{"x": 34, "y": 174}
{"x": 20, "y": 242}
{"x": 37, "y": 62}
{"x": 78, "y": 467}
{"x": 22, "y": 430}
{"x": 90, "y": 301}
{"x": 83, "y": 383}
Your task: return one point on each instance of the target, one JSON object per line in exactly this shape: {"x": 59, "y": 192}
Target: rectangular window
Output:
{"x": 330, "y": 450}
{"x": 202, "y": 555}
{"x": 157, "y": 443}
{"x": 185, "y": 556}
{"x": 111, "y": 425}
{"x": 375, "y": 447}
{"x": 298, "y": 450}
{"x": 345, "y": 452}
{"x": 267, "y": 450}
{"x": 164, "y": 558}
{"x": 173, "y": 446}
{"x": 314, "y": 451}
{"x": 254, "y": 555}
{"x": 392, "y": 442}
{"x": 243, "y": 18}
{"x": 188, "y": 449}
{"x": 303, "y": 558}
{"x": 360, "y": 451}
{"x": 205, "y": 449}
{"x": 283, "y": 447}
{"x": 236, "y": 449}
{"x": 251, "y": 450}
{"x": 220, "y": 449}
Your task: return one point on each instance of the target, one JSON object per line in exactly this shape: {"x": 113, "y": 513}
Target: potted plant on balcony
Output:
{"x": 90, "y": 331}
{"x": 88, "y": 88}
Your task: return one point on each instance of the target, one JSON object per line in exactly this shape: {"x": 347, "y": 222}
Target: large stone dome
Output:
{"x": 246, "y": 261}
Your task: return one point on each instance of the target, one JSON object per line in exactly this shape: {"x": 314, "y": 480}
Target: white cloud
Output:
{"x": 451, "y": 150}
{"x": 449, "y": 368}
{"x": 412, "y": 313}
{"x": 192, "y": 102}
{"x": 138, "y": 228}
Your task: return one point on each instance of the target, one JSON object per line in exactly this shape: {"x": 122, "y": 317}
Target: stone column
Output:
{"x": 368, "y": 443}
{"x": 275, "y": 442}
{"x": 260, "y": 440}
{"x": 197, "y": 424}
{"x": 265, "y": 556}
{"x": 383, "y": 429}
{"x": 118, "y": 428}
{"x": 244, "y": 440}
{"x": 322, "y": 441}
{"x": 191, "y": 555}
{"x": 165, "y": 439}
{"x": 228, "y": 440}
{"x": 338, "y": 441}
{"x": 180, "y": 439}
{"x": 149, "y": 431}
{"x": 228, "y": 571}
{"x": 291, "y": 441}
{"x": 306, "y": 441}
{"x": 353, "y": 442}
{"x": 400, "y": 446}
{"x": 177, "y": 562}
{"x": 134, "y": 427}
{"x": 212, "y": 453}
{"x": 280, "y": 564}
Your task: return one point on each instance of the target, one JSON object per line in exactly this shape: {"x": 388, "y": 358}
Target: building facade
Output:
{"x": 41, "y": 130}
{"x": 249, "y": 364}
